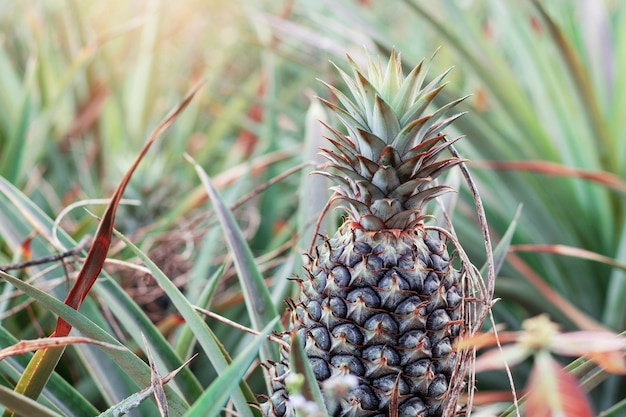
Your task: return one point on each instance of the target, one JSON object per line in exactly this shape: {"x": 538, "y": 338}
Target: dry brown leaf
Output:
{"x": 25, "y": 346}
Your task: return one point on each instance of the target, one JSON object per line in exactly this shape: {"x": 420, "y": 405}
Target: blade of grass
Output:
{"x": 136, "y": 368}
{"x": 134, "y": 320}
{"x": 202, "y": 332}
{"x": 24, "y": 405}
{"x": 550, "y": 168}
{"x": 139, "y": 82}
{"x": 10, "y": 90}
{"x": 313, "y": 189}
{"x": 614, "y": 309}
{"x": 502, "y": 248}
{"x": 565, "y": 250}
{"x": 585, "y": 90}
{"x": 13, "y": 153}
{"x": 18, "y": 120}
{"x": 37, "y": 374}
{"x": 259, "y": 303}
{"x": 185, "y": 342}
{"x": 58, "y": 394}
{"x": 210, "y": 404}
{"x": 617, "y": 410}
{"x": 131, "y": 402}
{"x": 197, "y": 284}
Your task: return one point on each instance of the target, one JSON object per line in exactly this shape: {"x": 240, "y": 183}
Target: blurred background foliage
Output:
{"x": 82, "y": 83}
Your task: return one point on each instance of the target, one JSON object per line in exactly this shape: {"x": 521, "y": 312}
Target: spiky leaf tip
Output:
{"x": 392, "y": 141}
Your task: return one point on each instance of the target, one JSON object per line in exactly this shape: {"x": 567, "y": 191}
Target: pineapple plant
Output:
{"x": 384, "y": 300}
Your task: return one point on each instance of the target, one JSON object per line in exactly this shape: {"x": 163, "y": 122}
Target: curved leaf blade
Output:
{"x": 211, "y": 402}
{"x": 257, "y": 297}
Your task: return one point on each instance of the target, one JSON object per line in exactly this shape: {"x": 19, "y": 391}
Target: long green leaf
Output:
{"x": 258, "y": 300}
{"x": 215, "y": 397}
{"x": 37, "y": 373}
{"x": 202, "y": 332}
{"x": 137, "y": 369}
{"x": 185, "y": 340}
{"x": 134, "y": 320}
{"x": 24, "y": 405}
{"x": 58, "y": 394}
{"x": 502, "y": 248}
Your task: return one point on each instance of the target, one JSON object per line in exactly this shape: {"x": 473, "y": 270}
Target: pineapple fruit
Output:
{"x": 381, "y": 299}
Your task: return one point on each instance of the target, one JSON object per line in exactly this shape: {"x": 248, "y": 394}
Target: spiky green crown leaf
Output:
{"x": 385, "y": 165}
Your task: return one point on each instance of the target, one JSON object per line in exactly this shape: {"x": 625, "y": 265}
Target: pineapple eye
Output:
{"x": 438, "y": 319}
{"x": 314, "y": 311}
{"x": 364, "y": 396}
{"x": 412, "y": 407}
{"x": 443, "y": 348}
{"x": 337, "y": 307}
{"x": 390, "y": 382}
{"x": 341, "y": 276}
{"x": 348, "y": 364}
{"x": 453, "y": 298}
{"x": 378, "y": 353}
{"x": 362, "y": 248}
{"x": 365, "y": 296}
{"x": 419, "y": 368}
{"x": 321, "y": 337}
{"x": 432, "y": 284}
{"x": 438, "y": 387}
{"x": 350, "y": 332}
{"x": 382, "y": 324}
{"x": 320, "y": 368}
{"x": 414, "y": 338}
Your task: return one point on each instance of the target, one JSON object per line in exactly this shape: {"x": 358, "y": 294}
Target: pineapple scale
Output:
{"x": 384, "y": 306}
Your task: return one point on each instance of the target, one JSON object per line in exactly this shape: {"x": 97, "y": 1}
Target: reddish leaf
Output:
{"x": 554, "y": 392}
{"x": 492, "y": 397}
{"x": 481, "y": 340}
{"x": 25, "y": 346}
{"x": 98, "y": 251}
{"x": 24, "y": 249}
{"x": 613, "y": 362}
{"x": 496, "y": 358}
{"x": 584, "y": 342}
{"x": 554, "y": 169}
{"x": 565, "y": 250}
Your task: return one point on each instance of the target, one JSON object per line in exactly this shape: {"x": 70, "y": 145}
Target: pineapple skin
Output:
{"x": 384, "y": 306}
{"x": 381, "y": 299}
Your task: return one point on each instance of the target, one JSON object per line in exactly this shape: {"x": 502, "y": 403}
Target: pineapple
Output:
{"x": 381, "y": 299}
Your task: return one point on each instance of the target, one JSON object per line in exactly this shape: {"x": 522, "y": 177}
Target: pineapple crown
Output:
{"x": 385, "y": 165}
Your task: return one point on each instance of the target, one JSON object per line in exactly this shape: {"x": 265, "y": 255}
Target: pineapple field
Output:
{"x": 329, "y": 209}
